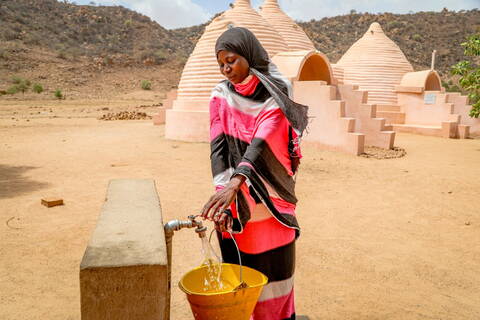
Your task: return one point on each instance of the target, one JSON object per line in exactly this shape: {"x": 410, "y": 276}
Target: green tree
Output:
{"x": 16, "y": 80}
{"x": 146, "y": 85}
{"x": 37, "y": 88}
{"x": 469, "y": 72}
{"x": 12, "y": 90}
{"x": 58, "y": 94}
{"x": 23, "y": 86}
{"x": 20, "y": 85}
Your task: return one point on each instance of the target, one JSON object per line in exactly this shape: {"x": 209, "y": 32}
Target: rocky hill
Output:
{"x": 65, "y": 44}
{"x": 73, "y": 31}
{"x": 93, "y": 51}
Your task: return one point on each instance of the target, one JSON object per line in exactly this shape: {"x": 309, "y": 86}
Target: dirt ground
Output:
{"x": 381, "y": 239}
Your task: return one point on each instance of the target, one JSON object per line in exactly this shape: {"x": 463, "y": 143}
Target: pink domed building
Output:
{"x": 409, "y": 101}
{"x": 294, "y": 36}
{"x": 188, "y": 119}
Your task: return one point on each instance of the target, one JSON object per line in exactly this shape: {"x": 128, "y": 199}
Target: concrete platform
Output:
{"x": 123, "y": 273}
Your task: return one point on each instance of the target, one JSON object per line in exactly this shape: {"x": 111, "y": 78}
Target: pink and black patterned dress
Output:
{"x": 251, "y": 136}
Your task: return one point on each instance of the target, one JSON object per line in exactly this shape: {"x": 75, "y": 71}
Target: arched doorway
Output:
{"x": 315, "y": 68}
{"x": 432, "y": 83}
{"x": 304, "y": 66}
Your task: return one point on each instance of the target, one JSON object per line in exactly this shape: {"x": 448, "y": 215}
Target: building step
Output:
{"x": 392, "y": 117}
{"x": 418, "y": 129}
{"x": 457, "y": 98}
{"x": 451, "y": 96}
{"x": 388, "y": 107}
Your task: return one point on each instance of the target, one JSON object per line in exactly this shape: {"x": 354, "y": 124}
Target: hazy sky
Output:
{"x": 183, "y": 13}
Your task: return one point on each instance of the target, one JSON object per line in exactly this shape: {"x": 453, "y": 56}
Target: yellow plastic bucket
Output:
{"x": 226, "y": 303}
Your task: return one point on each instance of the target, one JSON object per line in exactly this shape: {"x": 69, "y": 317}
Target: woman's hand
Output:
{"x": 220, "y": 201}
{"x": 224, "y": 224}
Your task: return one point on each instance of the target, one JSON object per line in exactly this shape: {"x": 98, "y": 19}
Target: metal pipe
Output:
{"x": 170, "y": 228}
{"x": 434, "y": 54}
{"x": 168, "y": 241}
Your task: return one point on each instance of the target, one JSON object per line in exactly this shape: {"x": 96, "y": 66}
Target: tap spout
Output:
{"x": 175, "y": 225}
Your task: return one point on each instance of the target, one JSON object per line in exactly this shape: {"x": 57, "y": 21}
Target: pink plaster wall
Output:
{"x": 170, "y": 97}
{"x": 366, "y": 121}
{"x": 462, "y": 108}
{"x": 417, "y": 112}
{"x": 187, "y": 125}
{"x": 167, "y": 103}
{"x": 328, "y": 127}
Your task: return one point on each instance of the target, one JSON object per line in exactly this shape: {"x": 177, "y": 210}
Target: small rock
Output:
{"x": 52, "y": 202}
{"x": 379, "y": 153}
{"x": 467, "y": 223}
{"x": 118, "y": 165}
{"x": 125, "y": 115}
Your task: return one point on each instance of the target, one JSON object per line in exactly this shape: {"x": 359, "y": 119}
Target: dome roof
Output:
{"x": 201, "y": 72}
{"x": 376, "y": 64}
{"x": 293, "y": 35}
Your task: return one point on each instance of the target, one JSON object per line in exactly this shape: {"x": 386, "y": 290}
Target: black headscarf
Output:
{"x": 243, "y": 42}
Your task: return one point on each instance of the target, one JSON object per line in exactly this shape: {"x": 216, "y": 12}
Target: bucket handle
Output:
{"x": 242, "y": 284}
{"x": 239, "y": 258}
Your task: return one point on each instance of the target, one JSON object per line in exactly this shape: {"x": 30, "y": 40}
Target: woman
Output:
{"x": 254, "y": 129}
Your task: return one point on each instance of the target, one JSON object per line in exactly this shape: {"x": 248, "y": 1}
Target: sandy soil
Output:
{"x": 381, "y": 239}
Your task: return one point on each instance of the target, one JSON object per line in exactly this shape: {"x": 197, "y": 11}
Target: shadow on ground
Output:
{"x": 13, "y": 182}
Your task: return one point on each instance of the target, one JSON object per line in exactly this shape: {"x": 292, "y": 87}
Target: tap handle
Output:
{"x": 192, "y": 217}
{"x": 195, "y": 223}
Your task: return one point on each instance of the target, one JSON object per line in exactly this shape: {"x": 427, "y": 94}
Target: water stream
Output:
{"x": 213, "y": 281}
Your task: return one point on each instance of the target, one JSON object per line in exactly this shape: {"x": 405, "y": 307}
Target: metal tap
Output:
{"x": 175, "y": 225}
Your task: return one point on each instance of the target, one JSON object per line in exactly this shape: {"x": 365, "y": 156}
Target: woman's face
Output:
{"x": 233, "y": 66}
